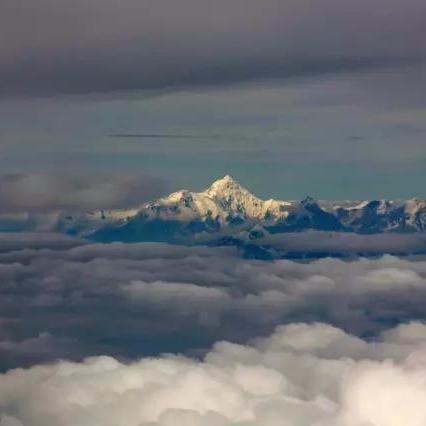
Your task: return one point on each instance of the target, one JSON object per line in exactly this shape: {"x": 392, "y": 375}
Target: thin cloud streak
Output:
{"x": 175, "y": 136}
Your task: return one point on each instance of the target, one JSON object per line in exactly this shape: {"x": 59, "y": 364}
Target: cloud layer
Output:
{"x": 303, "y": 374}
{"x": 341, "y": 244}
{"x": 147, "y": 45}
{"x": 144, "y": 299}
{"x": 348, "y": 342}
{"x": 24, "y": 192}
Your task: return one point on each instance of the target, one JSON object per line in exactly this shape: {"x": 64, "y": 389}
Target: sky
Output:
{"x": 106, "y": 104}
{"x": 292, "y": 98}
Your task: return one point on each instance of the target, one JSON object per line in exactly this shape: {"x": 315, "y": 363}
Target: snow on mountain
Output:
{"x": 232, "y": 197}
{"x": 415, "y": 214}
{"x": 224, "y": 201}
{"x": 84, "y": 224}
{"x": 227, "y": 208}
{"x": 224, "y": 209}
{"x": 225, "y": 204}
{"x": 385, "y": 216}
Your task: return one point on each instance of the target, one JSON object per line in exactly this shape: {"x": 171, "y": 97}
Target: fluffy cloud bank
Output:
{"x": 133, "y": 300}
{"x": 302, "y": 375}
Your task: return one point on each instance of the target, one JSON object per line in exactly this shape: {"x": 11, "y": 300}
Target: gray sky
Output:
{"x": 325, "y": 98}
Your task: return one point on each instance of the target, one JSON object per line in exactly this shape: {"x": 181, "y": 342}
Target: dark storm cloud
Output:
{"x": 130, "y": 300}
{"x": 25, "y": 192}
{"x": 85, "y": 46}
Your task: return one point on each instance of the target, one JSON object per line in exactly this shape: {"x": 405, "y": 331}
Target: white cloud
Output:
{"x": 61, "y": 300}
{"x": 303, "y": 375}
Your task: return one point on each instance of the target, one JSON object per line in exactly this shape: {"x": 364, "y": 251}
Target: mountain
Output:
{"x": 384, "y": 216}
{"x": 227, "y": 209}
{"x": 225, "y": 213}
{"x": 224, "y": 207}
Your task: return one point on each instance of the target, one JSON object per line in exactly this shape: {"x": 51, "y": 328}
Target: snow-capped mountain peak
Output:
{"x": 223, "y": 201}
{"x": 226, "y": 187}
{"x": 234, "y": 199}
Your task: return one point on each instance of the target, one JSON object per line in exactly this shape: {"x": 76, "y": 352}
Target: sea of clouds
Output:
{"x": 302, "y": 375}
{"x": 156, "y": 334}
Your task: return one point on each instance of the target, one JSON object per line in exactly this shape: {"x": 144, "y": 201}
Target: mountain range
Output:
{"x": 228, "y": 209}
{"x": 226, "y": 213}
